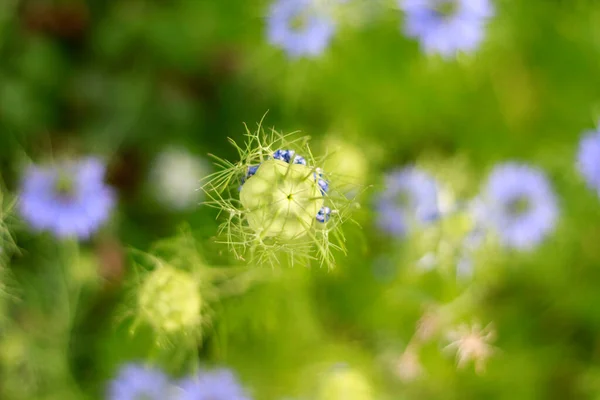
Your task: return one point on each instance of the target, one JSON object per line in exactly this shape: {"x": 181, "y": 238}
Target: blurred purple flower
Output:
{"x": 220, "y": 384}
{"x": 411, "y": 196}
{"x": 447, "y": 26}
{"x": 136, "y": 382}
{"x": 520, "y": 205}
{"x": 69, "y": 200}
{"x": 588, "y": 158}
{"x": 299, "y": 27}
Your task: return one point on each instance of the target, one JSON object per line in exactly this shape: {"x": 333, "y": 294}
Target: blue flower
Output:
{"x": 136, "y": 382}
{"x": 411, "y": 196}
{"x": 219, "y": 384}
{"x": 520, "y": 205}
{"x": 447, "y": 26}
{"x": 588, "y": 159}
{"x": 69, "y": 200}
{"x": 299, "y": 27}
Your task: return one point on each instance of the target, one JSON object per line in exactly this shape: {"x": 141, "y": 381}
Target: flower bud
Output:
{"x": 170, "y": 301}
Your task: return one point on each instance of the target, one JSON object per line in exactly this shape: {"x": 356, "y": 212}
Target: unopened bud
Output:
{"x": 170, "y": 301}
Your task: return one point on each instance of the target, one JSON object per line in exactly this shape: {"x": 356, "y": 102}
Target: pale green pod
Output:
{"x": 169, "y": 300}
{"x": 281, "y": 200}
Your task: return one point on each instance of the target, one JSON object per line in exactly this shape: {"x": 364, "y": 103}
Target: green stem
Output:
{"x": 71, "y": 294}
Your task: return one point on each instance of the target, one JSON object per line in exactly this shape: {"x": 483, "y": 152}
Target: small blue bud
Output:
{"x": 282, "y": 155}
{"x": 299, "y": 160}
{"x": 249, "y": 173}
{"x": 289, "y": 156}
{"x": 252, "y": 170}
{"x": 324, "y": 185}
{"x": 324, "y": 214}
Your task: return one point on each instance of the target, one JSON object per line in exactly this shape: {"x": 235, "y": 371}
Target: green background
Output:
{"x": 125, "y": 79}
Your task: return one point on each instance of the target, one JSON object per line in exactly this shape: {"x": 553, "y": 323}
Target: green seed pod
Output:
{"x": 170, "y": 301}
{"x": 281, "y": 200}
{"x": 277, "y": 202}
{"x": 347, "y": 384}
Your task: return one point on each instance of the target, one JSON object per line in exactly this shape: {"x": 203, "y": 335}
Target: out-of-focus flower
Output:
{"x": 471, "y": 343}
{"x": 410, "y": 198}
{"x": 300, "y": 27}
{"x": 176, "y": 176}
{"x": 520, "y": 205}
{"x": 447, "y": 26}
{"x": 220, "y": 384}
{"x": 69, "y": 200}
{"x": 135, "y": 382}
{"x": 588, "y": 159}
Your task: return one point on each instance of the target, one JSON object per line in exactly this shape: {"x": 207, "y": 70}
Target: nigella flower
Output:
{"x": 410, "y": 197}
{"x": 300, "y": 27}
{"x": 284, "y": 204}
{"x": 220, "y": 384}
{"x": 447, "y": 26}
{"x": 588, "y": 159}
{"x": 520, "y": 205}
{"x": 69, "y": 200}
{"x": 136, "y": 382}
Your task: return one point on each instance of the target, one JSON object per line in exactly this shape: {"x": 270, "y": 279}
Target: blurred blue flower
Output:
{"x": 411, "y": 196}
{"x": 300, "y": 27}
{"x": 588, "y": 159}
{"x": 520, "y": 205}
{"x": 135, "y": 382}
{"x": 447, "y": 26}
{"x": 69, "y": 200}
{"x": 220, "y": 384}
